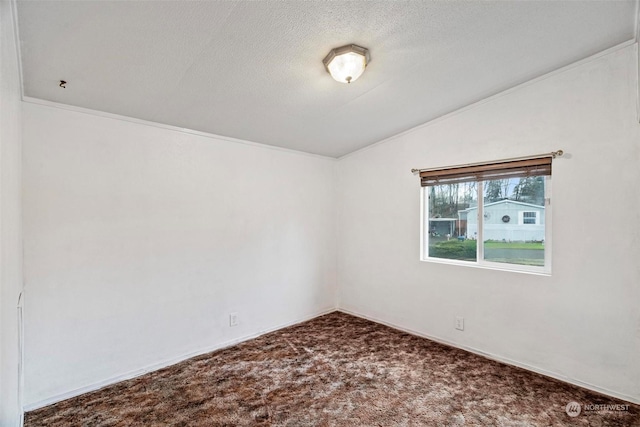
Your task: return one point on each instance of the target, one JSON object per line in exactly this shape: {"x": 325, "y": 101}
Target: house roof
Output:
{"x": 515, "y": 202}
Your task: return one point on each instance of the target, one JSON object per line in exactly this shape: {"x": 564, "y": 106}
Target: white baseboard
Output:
{"x": 500, "y": 359}
{"x": 220, "y": 346}
{"x": 163, "y": 364}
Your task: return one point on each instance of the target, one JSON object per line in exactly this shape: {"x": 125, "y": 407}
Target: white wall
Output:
{"x": 581, "y": 323}
{"x": 139, "y": 242}
{"x": 10, "y": 219}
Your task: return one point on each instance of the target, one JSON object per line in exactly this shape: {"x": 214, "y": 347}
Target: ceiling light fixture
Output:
{"x": 347, "y": 63}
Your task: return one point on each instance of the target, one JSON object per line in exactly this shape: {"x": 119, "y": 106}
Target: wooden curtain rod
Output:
{"x": 552, "y": 154}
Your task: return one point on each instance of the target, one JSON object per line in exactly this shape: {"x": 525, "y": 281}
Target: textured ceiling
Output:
{"x": 253, "y": 70}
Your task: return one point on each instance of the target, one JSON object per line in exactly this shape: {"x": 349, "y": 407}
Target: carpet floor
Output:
{"x": 338, "y": 370}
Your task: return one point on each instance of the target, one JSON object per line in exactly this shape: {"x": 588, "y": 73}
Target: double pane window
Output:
{"x": 494, "y": 219}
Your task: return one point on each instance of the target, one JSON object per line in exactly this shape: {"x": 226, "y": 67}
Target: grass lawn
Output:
{"x": 513, "y": 245}
{"x": 509, "y": 252}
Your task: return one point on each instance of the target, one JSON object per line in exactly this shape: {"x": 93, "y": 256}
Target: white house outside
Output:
{"x": 507, "y": 220}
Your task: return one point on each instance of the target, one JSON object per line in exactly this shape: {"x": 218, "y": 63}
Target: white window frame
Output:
{"x": 480, "y": 261}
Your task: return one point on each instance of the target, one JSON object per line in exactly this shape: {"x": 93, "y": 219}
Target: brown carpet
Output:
{"x": 337, "y": 370}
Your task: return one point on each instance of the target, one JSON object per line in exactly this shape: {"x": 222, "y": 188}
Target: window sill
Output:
{"x": 487, "y": 265}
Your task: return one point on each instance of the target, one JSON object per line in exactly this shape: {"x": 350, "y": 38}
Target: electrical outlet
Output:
{"x": 233, "y": 319}
{"x": 460, "y": 323}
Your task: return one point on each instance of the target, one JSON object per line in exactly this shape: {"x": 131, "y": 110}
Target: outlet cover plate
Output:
{"x": 233, "y": 319}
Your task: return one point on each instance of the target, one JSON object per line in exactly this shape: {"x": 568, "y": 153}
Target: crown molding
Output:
{"x": 98, "y": 113}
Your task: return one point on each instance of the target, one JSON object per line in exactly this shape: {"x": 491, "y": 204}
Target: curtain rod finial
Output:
{"x": 558, "y": 153}
{"x": 415, "y": 171}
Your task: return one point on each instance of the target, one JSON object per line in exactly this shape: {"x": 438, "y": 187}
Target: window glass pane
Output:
{"x": 513, "y": 223}
{"x": 447, "y": 228}
{"x": 529, "y": 217}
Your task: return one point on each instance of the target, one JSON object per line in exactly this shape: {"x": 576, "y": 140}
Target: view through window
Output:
{"x": 488, "y": 221}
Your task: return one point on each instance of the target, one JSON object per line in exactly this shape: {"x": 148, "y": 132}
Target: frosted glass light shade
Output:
{"x": 347, "y": 63}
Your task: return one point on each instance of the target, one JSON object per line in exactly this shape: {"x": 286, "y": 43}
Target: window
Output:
{"x": 529, "y": 217}
{"x": 493, "y": 215}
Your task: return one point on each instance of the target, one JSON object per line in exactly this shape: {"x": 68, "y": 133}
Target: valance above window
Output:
{"x": 504, "y": 169}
